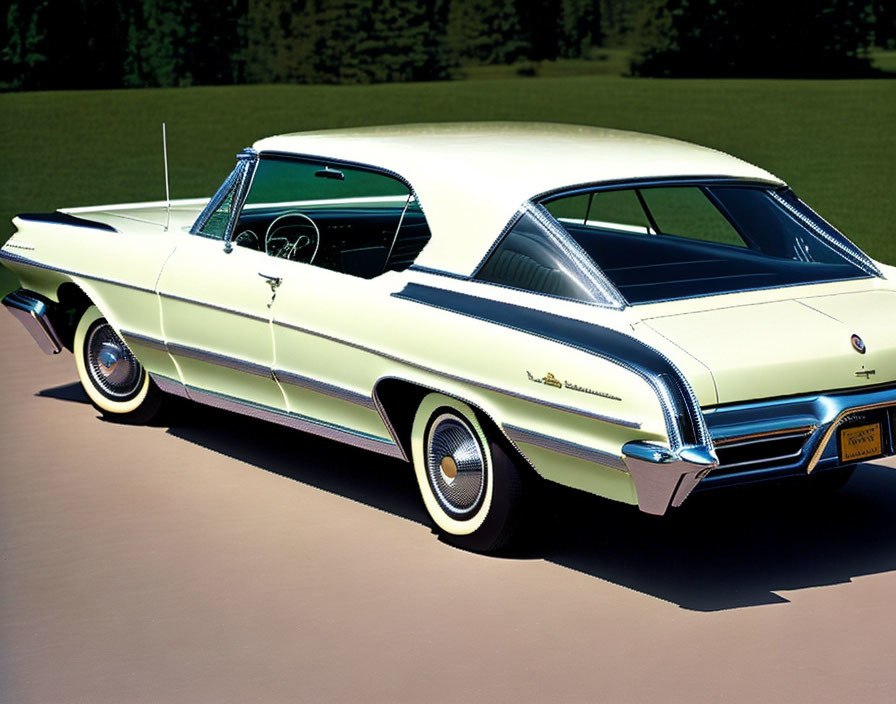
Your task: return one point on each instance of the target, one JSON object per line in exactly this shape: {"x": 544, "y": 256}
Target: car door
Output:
{"x": 332, "y": 229}
{"x": 324, "y": 375}
{"x": 216, "y": 317}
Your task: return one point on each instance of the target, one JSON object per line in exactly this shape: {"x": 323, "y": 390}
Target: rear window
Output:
{"x": 665, "y": 242}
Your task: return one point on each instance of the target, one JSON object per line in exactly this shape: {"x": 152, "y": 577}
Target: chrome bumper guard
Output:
{"x": 663, "y": 477}
{"x": 32, "y": 313}
{"x": 794, "y": 436}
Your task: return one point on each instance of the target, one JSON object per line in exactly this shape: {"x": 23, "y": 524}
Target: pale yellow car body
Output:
{"x": 345, "y": 334}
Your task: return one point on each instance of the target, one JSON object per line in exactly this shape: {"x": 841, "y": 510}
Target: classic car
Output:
{"x": 496, "y": 304}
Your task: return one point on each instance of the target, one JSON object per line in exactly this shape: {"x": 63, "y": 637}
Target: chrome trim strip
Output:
{"x": 767, "y": 437}
{"x": 18, "y": 259}
{"x": 151, "y": 342}
{"x": 278, "y": 375}
{"x": 223, "y": 309}
{"x": 32, "y": 314}
{"x": 220, "y": 360}
{"x": 295, "y": 421}
{"x": 564, "y": 447}
{"x": 169, "y": 386}
{"x": 763, "y": 460}
{"x": 385, "y": 355}
{"x": 322, "y": 387}
{"x": 723, "y": 434}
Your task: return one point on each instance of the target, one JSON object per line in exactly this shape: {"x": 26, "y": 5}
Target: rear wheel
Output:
{"x": 470, "y": 486}
{"x": 115, "y": 382}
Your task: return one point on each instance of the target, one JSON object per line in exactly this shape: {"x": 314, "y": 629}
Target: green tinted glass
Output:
{"x": 217, "y": 222}
{"x": 289, "y": 181}
{"x": 618, "y": 210}
{"x": 687, "y": 212}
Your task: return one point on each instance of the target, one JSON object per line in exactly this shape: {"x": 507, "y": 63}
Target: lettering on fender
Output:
{"x": 550, "y": 380}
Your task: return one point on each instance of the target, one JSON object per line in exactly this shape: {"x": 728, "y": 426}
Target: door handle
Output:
{"x": 273, "y": 281}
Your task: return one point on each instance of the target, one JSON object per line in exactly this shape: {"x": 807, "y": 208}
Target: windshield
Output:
{"x": 678, "y": 241}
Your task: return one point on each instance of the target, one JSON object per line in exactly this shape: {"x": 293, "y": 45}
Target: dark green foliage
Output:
{"x": 346, "y": 41}
{"x": 114, "y": 43}
{"x": 74, "y": 43}
{"x": 486, "y": 31}
{"x": 883, "y": 14}
{"x": 739, "y": 38}
{"x": 145, "y": 43}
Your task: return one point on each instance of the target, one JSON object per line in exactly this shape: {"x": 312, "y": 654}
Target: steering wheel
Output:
{"x": 292, "y": 236}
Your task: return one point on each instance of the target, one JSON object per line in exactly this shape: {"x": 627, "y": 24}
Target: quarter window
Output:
{"x": 528, "y": 259}
{"x": 216, "y": 224}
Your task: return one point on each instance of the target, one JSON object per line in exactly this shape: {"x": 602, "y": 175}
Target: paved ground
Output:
{"x": 218, "y": 559}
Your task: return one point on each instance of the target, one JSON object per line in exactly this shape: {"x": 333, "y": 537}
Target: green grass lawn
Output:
{"x": 833, "y": 141}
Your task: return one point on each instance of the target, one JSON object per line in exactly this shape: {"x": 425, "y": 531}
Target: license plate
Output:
{"x": 860, "y": 442}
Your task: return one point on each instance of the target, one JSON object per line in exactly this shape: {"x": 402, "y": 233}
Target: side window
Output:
{"x": 350, "y": 220}
{"x": 527, "y": 259}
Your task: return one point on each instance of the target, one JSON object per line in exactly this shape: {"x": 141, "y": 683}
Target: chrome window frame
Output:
{"x": 834, "y": 239}
{"x": 239, "y": 180}
{"x": 603, "y": 292}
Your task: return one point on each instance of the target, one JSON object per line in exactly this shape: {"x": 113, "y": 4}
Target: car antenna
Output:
{"x": 167, "y": 190}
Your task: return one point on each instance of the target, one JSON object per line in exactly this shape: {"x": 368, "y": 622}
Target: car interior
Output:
{"x": 354, "y": 222}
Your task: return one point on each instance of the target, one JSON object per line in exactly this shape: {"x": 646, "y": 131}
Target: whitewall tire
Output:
{"x": 470, "y": 486}
{"x": 113, "y": 379}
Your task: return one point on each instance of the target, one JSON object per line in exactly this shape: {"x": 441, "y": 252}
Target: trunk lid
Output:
{"x": 792, "y": 346}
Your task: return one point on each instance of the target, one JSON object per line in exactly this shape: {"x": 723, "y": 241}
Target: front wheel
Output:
{"x": 470, "y": 486}
{"x": 115, "y": 382}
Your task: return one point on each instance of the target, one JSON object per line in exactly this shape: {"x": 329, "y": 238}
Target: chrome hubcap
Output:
{"x": 455, "y": 465}
{"x": 112, "y": 367}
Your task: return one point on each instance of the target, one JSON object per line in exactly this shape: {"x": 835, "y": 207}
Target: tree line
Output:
{"x": 143, "y": 43}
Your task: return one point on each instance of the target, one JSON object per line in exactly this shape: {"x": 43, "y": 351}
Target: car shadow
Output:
{"x": 730, "y": 549}
{"x": 73, "y": 392}
{"x": 720, "y": 550}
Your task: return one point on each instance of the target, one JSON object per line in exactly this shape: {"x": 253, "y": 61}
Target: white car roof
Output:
{"x": 471, "y": 178}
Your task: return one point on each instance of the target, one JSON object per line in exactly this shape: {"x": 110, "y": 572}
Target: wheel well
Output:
{"x": 72, "y": 303}
{"x": 398, "y": 400}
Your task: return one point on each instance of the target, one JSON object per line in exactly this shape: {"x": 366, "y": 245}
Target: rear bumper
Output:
{"x": 792, "y": 437}
{"x": 33, "y": 314}
{"x": 663, "y": 477}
